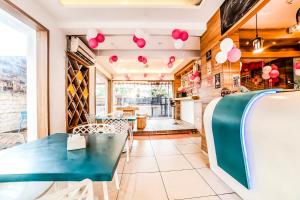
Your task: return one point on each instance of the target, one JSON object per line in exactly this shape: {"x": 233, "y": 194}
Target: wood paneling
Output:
{"x": 269, "y": 54}
{"x": 268, "y": 34}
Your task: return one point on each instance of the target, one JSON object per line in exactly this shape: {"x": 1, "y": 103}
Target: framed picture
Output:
{"x": 217, "y": 81}
{"x": 208, "y": 55}
{"x": 236, "y": 80}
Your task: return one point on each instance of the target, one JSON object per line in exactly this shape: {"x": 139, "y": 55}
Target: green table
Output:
{"x": 48, "y": 159}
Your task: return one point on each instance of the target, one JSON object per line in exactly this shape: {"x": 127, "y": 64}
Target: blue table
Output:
{"x": 48, "y": 159}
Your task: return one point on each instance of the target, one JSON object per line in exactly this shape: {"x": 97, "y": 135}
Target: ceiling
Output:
{"x": 119, "y": 21}
{"x": 276, "y": 14}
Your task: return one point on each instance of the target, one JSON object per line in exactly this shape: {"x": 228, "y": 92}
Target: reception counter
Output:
{"x": 254, "y": 143}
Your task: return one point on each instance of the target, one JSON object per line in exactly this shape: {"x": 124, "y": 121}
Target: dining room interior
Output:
{"x": 149, "y": 100}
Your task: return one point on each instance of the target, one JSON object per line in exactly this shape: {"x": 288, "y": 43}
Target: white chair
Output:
{"x": 94, "y": 129}
{"x": 121, "y": 126}
{"x": 79, "y": 191}
{"x": 91, "y": 129}
{"x": 91, "y": 118}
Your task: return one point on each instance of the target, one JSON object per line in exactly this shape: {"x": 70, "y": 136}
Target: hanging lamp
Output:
{"x": 258, "y": 41}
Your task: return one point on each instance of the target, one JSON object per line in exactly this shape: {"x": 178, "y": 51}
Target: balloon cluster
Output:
{"x": 94, "y": 38}
{"x": 271, "y": 73}
{"x": 139, "y": 38}
{"x": 113, "y": 59}
{"x": 171, "y": 61}
{"x": 142, "y": 59}
{"x": 228, "y": 52}
{"x": 297, "y": 69}
{"x": 179, "y": 37}
{"x": 195, "y": 77}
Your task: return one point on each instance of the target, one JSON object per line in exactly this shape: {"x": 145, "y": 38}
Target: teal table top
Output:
{"x": 48, "y": 159}
{"x": 129, "y": 118}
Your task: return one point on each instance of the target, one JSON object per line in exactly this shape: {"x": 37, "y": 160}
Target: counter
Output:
{"x": 253, "y": 143}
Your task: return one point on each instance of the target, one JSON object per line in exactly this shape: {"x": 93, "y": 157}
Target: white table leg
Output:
{"x": 117, "y": 180}
{"x": 127, "y": 151}
{"x": 105, "y": 190}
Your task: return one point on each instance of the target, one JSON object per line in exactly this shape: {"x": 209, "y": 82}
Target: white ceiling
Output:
{"x": 119, "y": 23}
{"x": 276, "y": 14}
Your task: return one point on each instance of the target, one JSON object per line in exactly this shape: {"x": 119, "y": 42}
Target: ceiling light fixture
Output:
{"x": 296, "y": 27}
{"x": 258, "y": 41}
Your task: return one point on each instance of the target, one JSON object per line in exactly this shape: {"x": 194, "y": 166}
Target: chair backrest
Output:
{"x": 91, "y": 129}
{"x": 120, "y": 125}
{"x": 91, "y": 118}
{"x": 82, "y": 190}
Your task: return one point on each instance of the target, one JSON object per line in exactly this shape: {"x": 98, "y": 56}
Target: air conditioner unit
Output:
{"x": 76, "y": 46}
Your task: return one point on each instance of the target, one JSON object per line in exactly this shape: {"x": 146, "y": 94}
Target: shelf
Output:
{"x": 77, "y": 92}
{"x": 191, "y": 98}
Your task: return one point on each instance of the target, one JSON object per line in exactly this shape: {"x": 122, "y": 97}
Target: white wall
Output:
{"x": 57, "y": 63}
{"x": 187, "y": 111}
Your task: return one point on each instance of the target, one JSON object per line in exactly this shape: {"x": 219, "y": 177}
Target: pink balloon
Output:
{"x": 144, "y": 60}
{"x": 297, "y": 65}
{"x": 275, "y": 80}
{"x": 93, "y": 43}
{"x": 135, "y": 39}
{"x": 172, "y": 59}
{"x": 100, "y": 37}
{"x": 234, "y": 54}
{"x": 141, "y": 43}
{"x": 184, "y": 36}
{"x": 176, "y": 34}
{"x": 145, "y": 75}
{"x": 140, "y": 58}
{"x": 196, "y": 73}
{"x": 170, "y": 65}
{"x": 192, "y": 77}
{"x": 114, "y": 58}
{"x": 274, "y": 73}
{"x": 274, "y": 67}
{"x": 110, "y": 60}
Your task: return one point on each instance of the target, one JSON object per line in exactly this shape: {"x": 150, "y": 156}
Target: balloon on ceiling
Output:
{"x": 113, "y": 59}
{"x": 171, "y": 61}
{"x": 139, "y": 38}
{"x": 94, "y": 38}
{"x": 179, "y": 36}
{"x": 142, "y": 59}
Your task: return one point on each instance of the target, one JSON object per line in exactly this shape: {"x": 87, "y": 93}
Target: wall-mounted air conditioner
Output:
{"x": 76, "y": 46}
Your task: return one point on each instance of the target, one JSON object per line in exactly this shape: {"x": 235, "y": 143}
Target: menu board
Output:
{"x": 233, "y": 10}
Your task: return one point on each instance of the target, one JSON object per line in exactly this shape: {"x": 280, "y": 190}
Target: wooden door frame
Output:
{"x": 42, "y": 56}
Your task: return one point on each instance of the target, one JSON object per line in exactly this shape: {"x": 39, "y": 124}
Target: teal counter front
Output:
{"x": 228, "y": 127}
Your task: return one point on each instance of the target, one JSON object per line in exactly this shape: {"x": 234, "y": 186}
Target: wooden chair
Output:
{"x": 81, "y": 191}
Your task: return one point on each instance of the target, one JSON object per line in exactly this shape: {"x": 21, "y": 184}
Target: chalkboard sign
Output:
{"x": 233, "y": 10}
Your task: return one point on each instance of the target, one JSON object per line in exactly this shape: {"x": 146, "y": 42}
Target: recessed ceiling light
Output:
{"x": 247, "y": 43}
{"x": 274, "y": 43}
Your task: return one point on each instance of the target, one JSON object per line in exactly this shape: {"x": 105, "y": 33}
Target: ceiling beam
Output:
{"x": 269, "y": 54}
{"x": 268, "y": 34}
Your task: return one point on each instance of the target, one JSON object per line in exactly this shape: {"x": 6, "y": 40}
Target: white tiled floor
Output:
{"x": 167, "y": 168}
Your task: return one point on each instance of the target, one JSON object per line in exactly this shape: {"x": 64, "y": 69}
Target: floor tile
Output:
{"x": 196, "y": 140}
{"x": 121, "y": 164}
{"x": 141, "y": 164}
{"x": 230, "y": 197}
{"x": 179, "y": 136}
{"x": 173, "y": 162}
{"x": 185, "y": 184}
{"x": 189, "y": 148}
{"x": 112, "y": 189}
{"x": 158, "y": 137}
{"x": 215, "y": 182}
{"x": 182, "y": 141}
{"x": 198, "y": 160}
{"x": 142, "y": 186}
{"x": 161, "y": 149}
{"x": 141, "y": 137}
{"x": 205, "y": 198}
{"x": 142, "y": 150}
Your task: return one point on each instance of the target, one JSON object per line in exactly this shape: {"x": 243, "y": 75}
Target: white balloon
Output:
{"x": 297, "y": 72}
{"x": 226, "y": 45}
{"x": 265, "y": 76}
{"x": 91, "y": 33}
{"x": 178, "y": 44}
{"x": 221, "y": 57}
{"x": 139, "y": 33}
{"x": 267, "y": 69}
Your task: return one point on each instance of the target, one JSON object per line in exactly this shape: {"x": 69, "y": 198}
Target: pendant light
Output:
{"x": 258, "y": 41}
